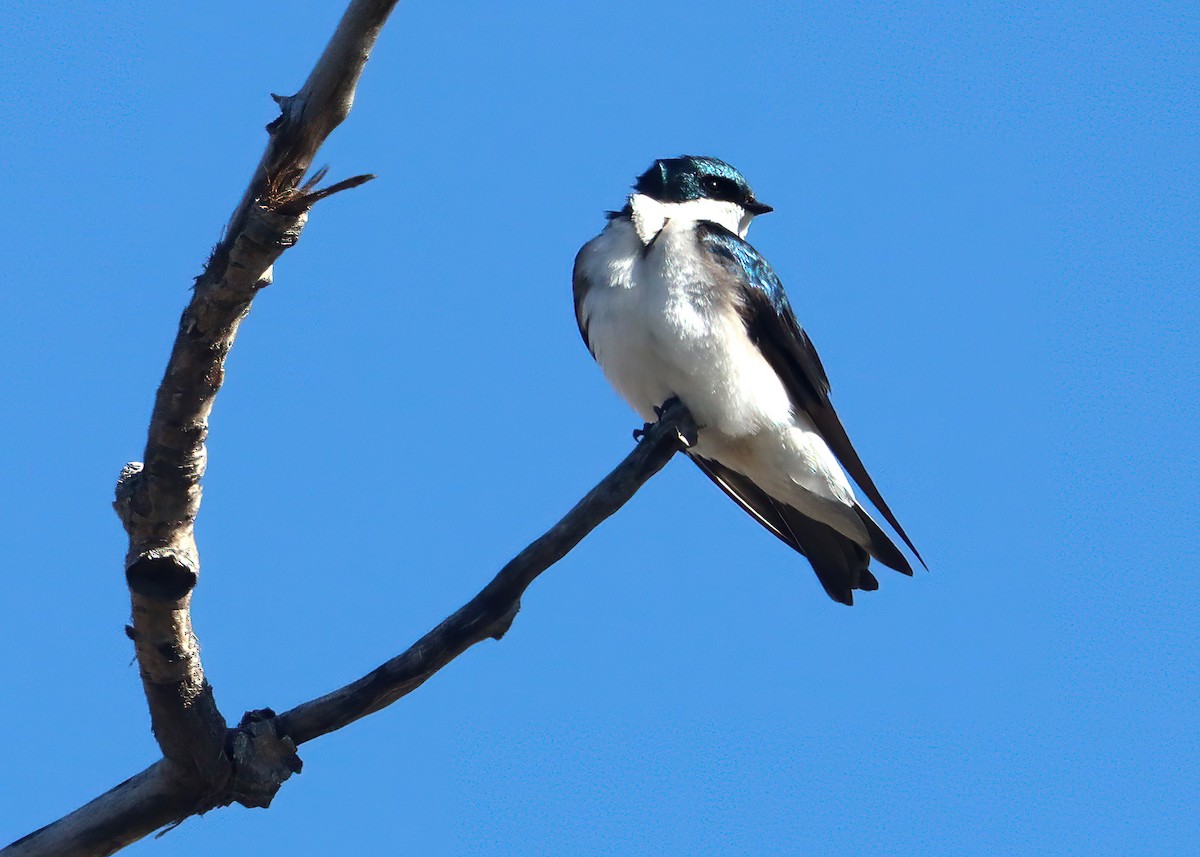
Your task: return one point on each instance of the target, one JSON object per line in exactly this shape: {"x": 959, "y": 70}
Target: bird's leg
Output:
{"x": 638, "y": 434}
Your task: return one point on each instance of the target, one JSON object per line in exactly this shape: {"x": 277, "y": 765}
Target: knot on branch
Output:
{"x": 128, "y": 484}
{"x": 262, "y": 759}
{"x": 504, "y": 621}
{"x": 154, "y": 503}
{"x": 166, "y": 573}
{"x": 240, "y": 265}
{"x": 268, "y": 226}
{"x": 289, "y": 107}
{"x": 162, "y": 562}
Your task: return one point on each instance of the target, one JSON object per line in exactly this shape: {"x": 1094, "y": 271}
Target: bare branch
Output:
{"x": 262, "y": 748}
{"x": 135, "y": 808}
{"x": 158, "y": 500}
{"x": 308, "y": 117}
{"x": 205, "y": 764}
{"x": 491, "y": 612}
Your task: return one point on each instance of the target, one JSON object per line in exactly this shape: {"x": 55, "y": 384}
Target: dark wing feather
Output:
{"x": 773, "y": 327}
{"x": 580, "y": 285}
{"x": 840, "y": 564}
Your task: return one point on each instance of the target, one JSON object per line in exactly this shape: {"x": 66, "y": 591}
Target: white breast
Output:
{"x": 659, "y": 326}
{"x": 661, "y": 323}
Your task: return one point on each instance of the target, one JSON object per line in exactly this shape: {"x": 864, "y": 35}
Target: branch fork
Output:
{"x": 206, "y": 764}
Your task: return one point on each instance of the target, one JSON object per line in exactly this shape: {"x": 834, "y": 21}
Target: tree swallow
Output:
{"x": 672, "y": 302}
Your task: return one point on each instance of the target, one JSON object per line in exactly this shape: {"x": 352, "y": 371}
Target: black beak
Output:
{"x": 755, "y": 207}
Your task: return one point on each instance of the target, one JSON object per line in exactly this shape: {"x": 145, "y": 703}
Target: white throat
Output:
{"x": 650, "y": 215}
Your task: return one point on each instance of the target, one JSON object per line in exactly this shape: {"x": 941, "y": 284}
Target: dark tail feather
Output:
{"x": 840, "y": 563}
{"x": 882, "y": 547}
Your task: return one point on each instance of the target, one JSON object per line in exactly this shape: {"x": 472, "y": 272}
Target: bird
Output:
{"x": 673, "y": 302}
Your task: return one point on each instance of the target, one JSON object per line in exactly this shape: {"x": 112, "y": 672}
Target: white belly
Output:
{"x": 659, "y": 328}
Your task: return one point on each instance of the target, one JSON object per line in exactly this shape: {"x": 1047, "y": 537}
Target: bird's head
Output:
{"x": 693, "y": 188}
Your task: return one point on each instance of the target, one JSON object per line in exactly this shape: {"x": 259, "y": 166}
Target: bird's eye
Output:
{"x": 712, "y": 183}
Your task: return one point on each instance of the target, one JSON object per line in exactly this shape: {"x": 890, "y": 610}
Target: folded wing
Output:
{"x": 773, "y": 327}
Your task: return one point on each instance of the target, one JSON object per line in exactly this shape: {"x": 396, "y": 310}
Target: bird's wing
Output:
{"x": 840, "y": 563}
{"x": 772, "y": 325}
{"x": 580, "y": 285}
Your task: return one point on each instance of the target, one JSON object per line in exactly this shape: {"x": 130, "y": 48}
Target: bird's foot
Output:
{"x": 666, "y": 406}
{"x": 639, "y": 434}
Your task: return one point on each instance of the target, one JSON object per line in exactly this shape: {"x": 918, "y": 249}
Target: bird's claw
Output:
{"x": 659, "y": 410}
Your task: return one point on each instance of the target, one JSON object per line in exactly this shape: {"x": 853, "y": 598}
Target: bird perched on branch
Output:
{"x": 672, "y": 302}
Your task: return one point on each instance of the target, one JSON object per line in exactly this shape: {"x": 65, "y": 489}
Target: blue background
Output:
{"x": 988, "y": 218}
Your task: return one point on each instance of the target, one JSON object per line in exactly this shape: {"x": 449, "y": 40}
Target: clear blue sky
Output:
{"x": 987, "y": 215}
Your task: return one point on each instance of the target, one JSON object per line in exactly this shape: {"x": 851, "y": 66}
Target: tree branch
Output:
{"x": 205, "y": 764}
{"x": 158, "y": 796}
{"x": 158, "y": 500}
{"x": 491, "y": 612}
{"x": 124, "y": 814}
